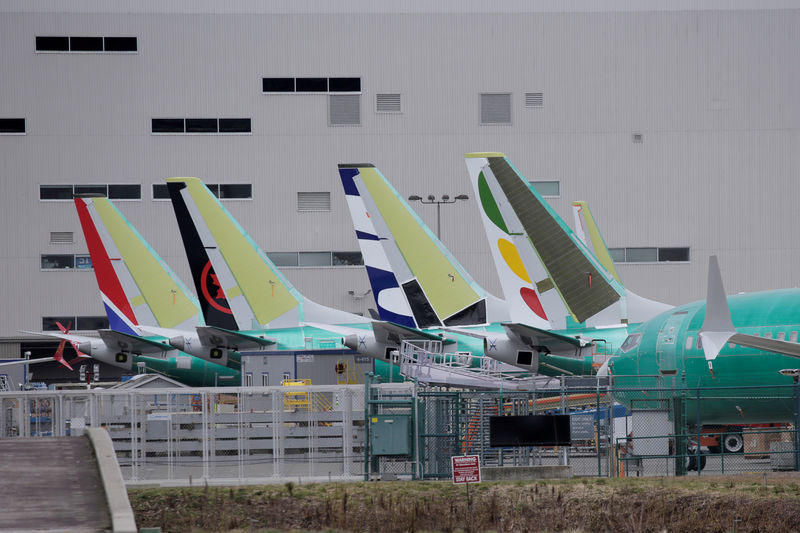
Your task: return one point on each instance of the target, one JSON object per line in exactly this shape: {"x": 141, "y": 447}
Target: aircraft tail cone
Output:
{"x": 351, "y": 341}
{"x": 179, "y": 342}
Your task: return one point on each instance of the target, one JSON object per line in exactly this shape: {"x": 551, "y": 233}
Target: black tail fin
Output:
{"x": 215, "y": 306}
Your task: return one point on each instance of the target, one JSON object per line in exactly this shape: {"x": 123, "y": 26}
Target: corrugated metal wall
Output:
{"x": 712, "y": 92}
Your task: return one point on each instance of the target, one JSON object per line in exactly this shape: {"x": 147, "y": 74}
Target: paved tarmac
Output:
{"x": 51, "y": 484}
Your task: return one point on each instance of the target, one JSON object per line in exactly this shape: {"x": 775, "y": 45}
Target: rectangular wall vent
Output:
{"x": 61, "y": 237}
{"x": 344, "y": 110}
{"x": 387, "y": 103}
{"x": 313, "y": 201}
{"x": 534, "y": 99}
{"x": 496, "y": 108}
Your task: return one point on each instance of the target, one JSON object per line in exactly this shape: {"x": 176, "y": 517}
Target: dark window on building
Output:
{"x": 641, "y": 255}
{"x": 277, "y": 85}
{"x": 160, "y": 191}
{"x": 234, "y": 125}
{"x": 86, "y": 44}
{"x": 92, "y": 189}
{"x": 58, "y": 261}
{"x": 50, "y": 323}
{"x": 168, "y": 125}
{"x": 673, "y": 254}
{"x": 344, "y": 85}
{"x": 235, "y": 190}
{"x": 120, "y": 44}
{"x": 83, "y": 261}
{"x": 214, "y": 188}
{"x": 283, "y": 259}
{"x": 347, "y": 258}
{"x": 201, "y": 125}
{"x": 91, "y": 322}
{"x": 12, "y": 125}
{"x": 617, "y": 254}
{"x": 124, "y": 192}
{"x": 311, "y": 85}
{"x": 52, "y": 44}
{"x": 314, "y": 259}
{"x": 55, "y": 192}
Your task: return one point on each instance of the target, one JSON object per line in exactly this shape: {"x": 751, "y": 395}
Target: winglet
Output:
{"x": 717, "y": 327}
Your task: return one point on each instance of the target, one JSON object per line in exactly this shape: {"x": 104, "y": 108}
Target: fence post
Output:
{"x": 679, "y": 432}
{"x": 597, "y": 431}
{"x": 796, "y": 422}
{"x": 367, "y": 412}
{"x": 699, "y": 433}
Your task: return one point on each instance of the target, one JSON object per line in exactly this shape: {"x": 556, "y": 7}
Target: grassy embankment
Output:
{"x": 733, "y": 503}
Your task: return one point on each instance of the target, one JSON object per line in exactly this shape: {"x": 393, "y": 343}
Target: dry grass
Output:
{"x": 730, "y": 503}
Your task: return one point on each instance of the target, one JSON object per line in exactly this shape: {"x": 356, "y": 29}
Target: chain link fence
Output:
{"x": 196, "y": 435}
{"x": 399, "y": 430}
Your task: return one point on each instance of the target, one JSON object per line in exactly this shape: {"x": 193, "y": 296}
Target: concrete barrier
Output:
{"x": 119, "y": 506}
{"x": 524, "y": 473}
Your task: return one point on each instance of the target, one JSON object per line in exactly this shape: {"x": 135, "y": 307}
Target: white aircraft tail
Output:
{"x": 544, "y": 267}
{"x": 416, "y": 281}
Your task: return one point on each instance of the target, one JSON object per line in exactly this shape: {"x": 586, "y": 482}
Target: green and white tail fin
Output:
{"x": 587, "y": 231}
{"x": 541, "y": 262}
{"x": 417, "y": 283}
{"x": 233, "y": 276}
{"x": 138, "y": 288}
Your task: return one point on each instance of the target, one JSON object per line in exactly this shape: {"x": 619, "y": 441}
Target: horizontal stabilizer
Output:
{"x": 554, "y": 342}
{"x": 131, "y": 343}
{"x": 389, "y": 331}
{"x": 791, "y": 349}
{"x": 28, "y": 361}
{"x": 212, "y": 336}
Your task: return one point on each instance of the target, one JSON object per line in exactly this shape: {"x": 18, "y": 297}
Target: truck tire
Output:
{"x": 733, "y": 443}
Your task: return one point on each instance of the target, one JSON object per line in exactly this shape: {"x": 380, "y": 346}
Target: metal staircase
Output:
{"x": 425, "y": 362}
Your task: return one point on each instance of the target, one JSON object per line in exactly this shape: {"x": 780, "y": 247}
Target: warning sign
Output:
{"x": 466, "y": 469}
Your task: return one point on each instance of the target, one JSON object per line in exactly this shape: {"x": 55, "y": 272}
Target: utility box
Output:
{"x": 390, "y": 434}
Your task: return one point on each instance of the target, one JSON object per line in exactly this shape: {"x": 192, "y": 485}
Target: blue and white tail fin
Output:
{"x": 417, "y": 283}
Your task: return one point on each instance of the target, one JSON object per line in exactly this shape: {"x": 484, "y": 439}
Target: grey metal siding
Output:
{"x": 712, "y": 91}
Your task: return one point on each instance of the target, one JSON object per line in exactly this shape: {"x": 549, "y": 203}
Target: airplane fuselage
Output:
{"x": 745, "y": 386}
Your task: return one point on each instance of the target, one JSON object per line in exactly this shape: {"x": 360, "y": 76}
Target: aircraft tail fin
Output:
{"x": 239, "y": 287}
{"x": 137, "y": 286}
{"x": 638, "y": 308}
{"x": 417, "y": 283}
{"x": 718, "y": 328}
{"x": 587, "y": 231}
{"x": 543, "y": 265}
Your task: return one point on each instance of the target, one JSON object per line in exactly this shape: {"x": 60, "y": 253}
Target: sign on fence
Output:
{"x": 466, "y": 469}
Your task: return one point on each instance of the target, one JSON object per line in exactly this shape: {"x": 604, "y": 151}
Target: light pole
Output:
{"x": 445, "y": 199}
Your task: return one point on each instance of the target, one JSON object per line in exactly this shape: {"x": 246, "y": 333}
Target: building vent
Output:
{"x": 637, "y": 138}
{"x": 313, "y": 201}
{"x": 496, "y": 108}
{"x": 344, "y": 110}
{"x": 61, "y": 237}
{"x": 387, "y": 103}
{"x": 534, "y": 100}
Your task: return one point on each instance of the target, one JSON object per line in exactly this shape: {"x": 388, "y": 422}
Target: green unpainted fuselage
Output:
{"x": 745, "y": 386}
{"x": 189, "y": 370}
